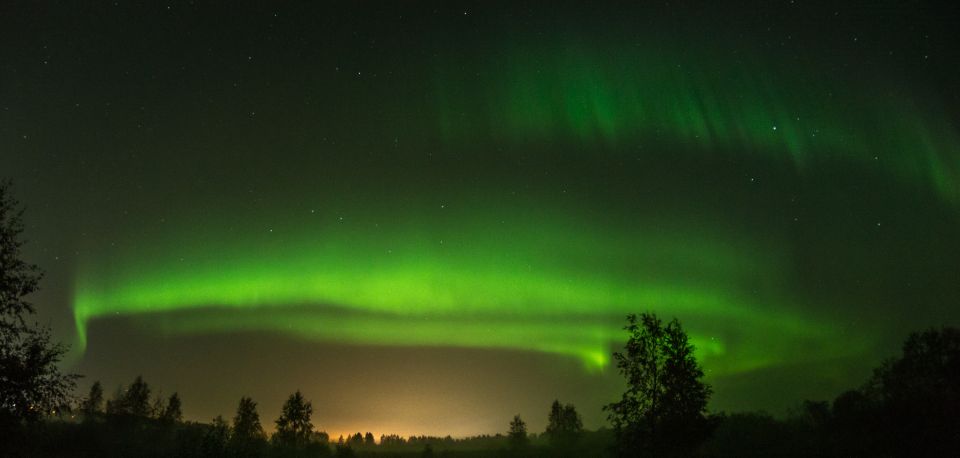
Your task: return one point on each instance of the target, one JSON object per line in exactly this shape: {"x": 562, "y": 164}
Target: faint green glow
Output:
{"x": 619, "y": 98}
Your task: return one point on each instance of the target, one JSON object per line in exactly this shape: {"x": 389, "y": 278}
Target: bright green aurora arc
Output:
{"x": 430, "y": 217}
{"x": 549, "y": 217}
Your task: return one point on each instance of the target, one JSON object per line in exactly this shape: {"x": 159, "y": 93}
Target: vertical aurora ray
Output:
{"x": 619, "y": 97}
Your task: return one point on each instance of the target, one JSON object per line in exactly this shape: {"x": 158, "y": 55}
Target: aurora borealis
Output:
{"x": 482, "y": 191}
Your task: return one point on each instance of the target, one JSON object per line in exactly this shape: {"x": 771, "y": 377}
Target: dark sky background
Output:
{"x": 432, "y": 216}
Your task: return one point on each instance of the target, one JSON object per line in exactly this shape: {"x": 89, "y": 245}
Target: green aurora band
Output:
{"x": 538, "y": 274}
{"x": 622, "y": 98}
{"x": 557, "y": 290}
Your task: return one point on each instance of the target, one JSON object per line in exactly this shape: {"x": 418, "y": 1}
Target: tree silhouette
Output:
{"x": 293, "y": 427}
{"x": 663, "y": 410}
{"x": 356, "y": 440}
{"x": 343, "y": 450}
{"x": 919, "y": 394}
{"x": 563, "y": 425}
{"x": 156, "y": 408}
{"x": 172, "y": 413}
{"x": 30, "y": 382}
{"x": 114, "y": 405}
{"x": 93, "y": 404}
{"x": 248, "y": 436}
{"x": 391, "y": 440}
{"x": 135, "y": 400}
{"x": 214, "y": 443}
{"x": 517, "y": 435}
{"x": 321, "y": 437}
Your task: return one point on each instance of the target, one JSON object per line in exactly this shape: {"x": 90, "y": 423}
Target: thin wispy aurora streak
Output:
{"x": 615, "y": 98}
{"x": 537, "y": 277}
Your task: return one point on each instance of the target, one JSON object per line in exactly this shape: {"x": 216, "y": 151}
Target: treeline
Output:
{"x": 909, "y": 407}
{"x": 134, "y": 423}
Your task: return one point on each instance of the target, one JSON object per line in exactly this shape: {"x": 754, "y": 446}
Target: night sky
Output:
{"x": 430, "y": 217}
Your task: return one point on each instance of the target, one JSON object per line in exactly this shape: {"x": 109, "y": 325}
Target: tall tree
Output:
{"x": 248, "y": 437}
{"x": 31, "y": 384}
{"x": 136, "y": 400}
{"x": 564, "y": 425}
{"x": 293, "y": 427}
{"x": 517, "y": 435}
{"x": 662, "y": 412}
{"x": 555, "y": 420}
{"x": 93, "y": 404}
{"x": 132, "y": 401}
{"x": 246, "y": 423}
{"x": 172, "y": 412}
{"x": 115, "y": 404}
{"x": 919, "y": 395}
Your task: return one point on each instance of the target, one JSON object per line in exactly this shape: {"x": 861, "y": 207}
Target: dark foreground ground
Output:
{"x": 813, "y": 429}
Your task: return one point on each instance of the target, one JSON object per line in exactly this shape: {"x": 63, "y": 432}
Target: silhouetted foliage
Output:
{"x": 320, "y": 437}
{"x": 879, "y": 419}
{"x": 156, "y": 407}
{"x": 809, "y": 425}
{"x": 137, "y": 398}
{"x": 293, "y": 427}
{"x": 564, "y": 428}
{"x": 31, "y": 384}
{"x": 908, "y": 408}
{"x": 172, "y": 413}
{"x": 748, "y": 435}
{"x": 93, "y": 404}
{"x": 216, "y": 439}
{"x": 148, "y": 438}
{"x": 134, "y": 401}
{"x": 517, "y": 434}
{"x": 344, "y": 451}
{"x": 356, "y": 440}
{"x": 853, "y": 424}
{"x": 563, "y": 424}
{"x": 248, "y": 437}
{"x": 663, "y": 410}
{"x": 919, "y": 394}
{"x": 391, "y": 440}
